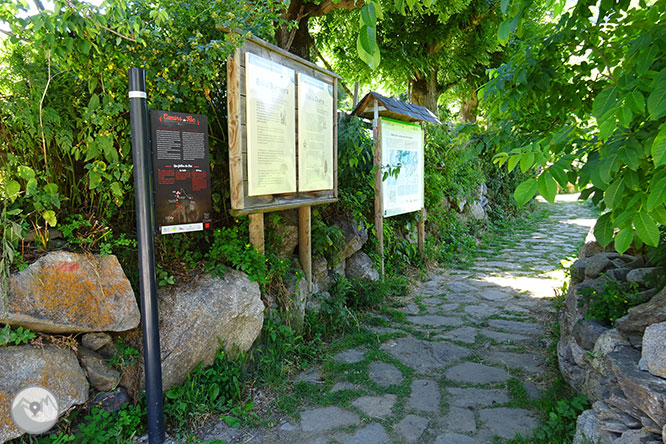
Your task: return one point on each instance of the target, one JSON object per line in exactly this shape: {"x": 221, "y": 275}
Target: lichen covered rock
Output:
{"x": 53, "y": 368}
{"x": 69, "y": 293}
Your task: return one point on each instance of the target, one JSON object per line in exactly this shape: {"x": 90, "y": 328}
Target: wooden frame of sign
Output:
{"x": 245, "y": 202}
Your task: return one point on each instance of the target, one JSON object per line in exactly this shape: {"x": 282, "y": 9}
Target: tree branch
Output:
{"x": 329, "y": 5}
{"x": 87, "y": 16}
{"x": 328, "y": 66}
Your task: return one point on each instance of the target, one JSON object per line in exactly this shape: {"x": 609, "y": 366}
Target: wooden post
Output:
{"x": 304, "y": 243}
{"x": 379, "y": 199}
{"x": 421, "y": 232}
{"x": 234, "y": 129}
{"x": 257, "y": 231}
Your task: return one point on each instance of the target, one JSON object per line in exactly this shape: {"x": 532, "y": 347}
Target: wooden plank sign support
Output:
{"x": 379, "y": 198}
{"x": 304, "y": 242}
{"x": 257, "y": 232}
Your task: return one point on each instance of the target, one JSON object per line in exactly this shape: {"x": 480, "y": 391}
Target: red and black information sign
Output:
{"x": 181, "y": 171}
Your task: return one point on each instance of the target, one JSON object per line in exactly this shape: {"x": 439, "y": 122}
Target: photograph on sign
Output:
{"x": 181, "y": 171}
{"x": 315, "y": 134}
{"x": 271, "y": 126}
{"x": 402, "y": 146}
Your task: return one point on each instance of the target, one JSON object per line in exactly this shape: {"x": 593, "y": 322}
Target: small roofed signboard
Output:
{"x": 181, "y": 171}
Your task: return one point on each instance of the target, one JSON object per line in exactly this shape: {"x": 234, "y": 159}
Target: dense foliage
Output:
{"x": 583, "y": 103}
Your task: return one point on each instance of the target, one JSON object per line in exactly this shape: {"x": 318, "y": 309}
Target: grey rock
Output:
{"x": 476, "y": 211}
{"x": 111, "y": 401}
{"x": 320, "y": 278}
{"x": 597, "y": 264}
{"x": 474, "y": 373}
{"x": 54, "y": 368}
{"x": 373, "y": 433}
{"x": 577, "y": 270}
{"x": 455, "y": 438}
{"x": 475, "y": 397}
{"x": 311, "y": 376}
{"x": 640, "y": 316}
{"x": 95, "y": 341}
{"x": 327, "y": 418}
{"x": 360, "y": 266}
{"x": 69, "y": 293}
{"x": 590, "y": 249}
{"x": 528, "y": 362}
{"x": 196, "y": 316}
{"x": 283, "y": 227}
{"x": 355, "y": 237}
{"x": 460, "y": 420}
{"x": 653, "y": 352}
{"x": 100, "y": 374}
{"x": 459, "y": 287}
{"x": 516, "y": 326}
{"x": 495, "y": 295}
{"x": 350, "y": 356}
{"x": 424, "y": 396}
{"x": 411, "y": 427}
{"x": 463, "y": 334}
{"x": 481, "y": 310}
{"x": 642, "y": 276}
{"x": 646, "y": 392}
{"x": 587, "y": 428}
{"x": 636, "y": 436}
{"x": 506, "y": 422}
{"x": 505, "y": 337}
{"x": 375, "y": 406}
{"x": 435, "y": 320}
{"x": 587, "y": 332}
{"x": 385, "y": 374}
{"x": 424, "y": 356}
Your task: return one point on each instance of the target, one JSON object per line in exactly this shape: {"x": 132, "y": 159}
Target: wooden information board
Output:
{"x": 262, "y": 154}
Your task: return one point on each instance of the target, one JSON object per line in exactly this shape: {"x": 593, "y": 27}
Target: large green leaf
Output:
{"x": 603, "y": 229}
{"x": 525, "y": 191}
{"x": 636, "y": 101}
{"x": 613, "y": 194}
{"x": 12, "y": 189}
{"x": 368, "y": 15}
{"x": 547, "y": 186}
{"x": 513, "y": 161}
{"x": 659, "y": 148}
{"x": 645, "y": 59}
{"x": 559, "y": 175}
{"x": 507, "y": 27}
{"x": 366, "y": 46}
{"x": 604, "y": 104}
{"x": 656, "y": 102}
{"x": 646, "y": 228}
{"x": 526, "y": 162}
{"x": 623, "y": 239}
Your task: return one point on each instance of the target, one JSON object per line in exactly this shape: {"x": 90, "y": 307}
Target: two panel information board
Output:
{"x": 271, "y": 129}
{"x": 181, "y": 171}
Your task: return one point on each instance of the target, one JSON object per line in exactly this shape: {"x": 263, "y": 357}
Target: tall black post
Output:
{"x": 141, "y": 154}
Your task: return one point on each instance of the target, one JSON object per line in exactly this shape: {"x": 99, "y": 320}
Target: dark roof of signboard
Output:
{"x": 393, "y": 108}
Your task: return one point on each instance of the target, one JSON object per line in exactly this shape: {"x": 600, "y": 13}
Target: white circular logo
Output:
{"x": 35, "y": 410}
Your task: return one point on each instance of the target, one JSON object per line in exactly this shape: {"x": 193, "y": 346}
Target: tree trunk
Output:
{"x": 426, "y": 91}
{"x": 469, "y": 108}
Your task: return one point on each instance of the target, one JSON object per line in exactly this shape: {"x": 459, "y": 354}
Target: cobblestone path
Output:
{"x": 455, "y": 363}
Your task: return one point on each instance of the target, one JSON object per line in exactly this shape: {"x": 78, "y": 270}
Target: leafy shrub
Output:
{"x": 18, "y": 336}
{"x": 611, "y": 302}
{"x": 560, "y": 424}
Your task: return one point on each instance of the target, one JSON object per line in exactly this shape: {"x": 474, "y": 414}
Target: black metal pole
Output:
{"x": 141, "y": 154}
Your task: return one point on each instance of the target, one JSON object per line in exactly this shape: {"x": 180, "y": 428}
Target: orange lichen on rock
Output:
{"x": 90, "y": 293}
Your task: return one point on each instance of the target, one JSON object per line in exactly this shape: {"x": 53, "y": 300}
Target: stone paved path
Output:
{"x": 447, "y": 366}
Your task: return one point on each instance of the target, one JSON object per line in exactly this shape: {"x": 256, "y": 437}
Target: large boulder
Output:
{"x": 355, "y": 237}
{"x": 69, "y": 293}
{"x": 51, "y": 367}
{"x": 196, "y": 315}
{"x": 360, "y": 266}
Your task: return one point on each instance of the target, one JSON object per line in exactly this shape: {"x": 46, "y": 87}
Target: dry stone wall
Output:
{"x": 620, "y": 369}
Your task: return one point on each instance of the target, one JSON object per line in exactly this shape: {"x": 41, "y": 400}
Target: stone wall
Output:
{"x": 621, "y": 368}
